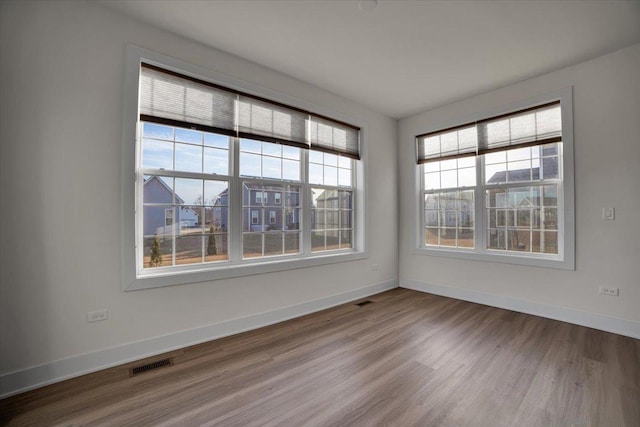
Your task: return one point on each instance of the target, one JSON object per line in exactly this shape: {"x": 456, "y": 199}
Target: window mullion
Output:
{"x": 305, "y": 205}
{"x": 482, "y": 220}
{"x": 235, "y": 205}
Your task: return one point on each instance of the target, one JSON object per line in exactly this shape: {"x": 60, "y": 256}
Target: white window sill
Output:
{"x": 528, "y": 259}
{"x": 156, "y": 279}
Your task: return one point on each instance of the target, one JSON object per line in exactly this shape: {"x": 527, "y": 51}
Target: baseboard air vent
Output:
{"x": 363, "y": 303}
{"x": 150, "y": 367}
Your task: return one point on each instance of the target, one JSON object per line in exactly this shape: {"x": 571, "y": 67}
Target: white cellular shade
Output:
{"x": 175, "y": 99}
{"x": 453, "y": 143}
{"x": 334, "y": 137}
{"x": 257, "y": 119}
{"x": 540, "y": 125}
{"x": 533, "y": 126}
{"x": 164, "y": 95}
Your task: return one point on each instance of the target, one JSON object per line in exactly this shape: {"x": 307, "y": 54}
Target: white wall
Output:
{"x": 607, "y": 174}
{"x": 61, "y": 122}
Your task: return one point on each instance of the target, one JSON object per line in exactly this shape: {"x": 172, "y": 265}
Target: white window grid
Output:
{"x": 235, "y": 210}
{"x": 481, "y": 224}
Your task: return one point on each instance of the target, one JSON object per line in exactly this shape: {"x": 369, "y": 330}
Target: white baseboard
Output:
{"x": 27, "y": 379}
{"x": 625, "y": 327}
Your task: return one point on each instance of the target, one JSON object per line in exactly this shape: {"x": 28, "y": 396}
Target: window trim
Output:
{"x": 566, "y": 228}
{"x": 201, "y": 273}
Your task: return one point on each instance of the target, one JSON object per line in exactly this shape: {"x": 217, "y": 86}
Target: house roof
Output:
{"x": 165, "y": 186}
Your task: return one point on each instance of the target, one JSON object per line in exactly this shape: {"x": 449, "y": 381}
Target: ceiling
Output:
{"x": 402, "y": 57}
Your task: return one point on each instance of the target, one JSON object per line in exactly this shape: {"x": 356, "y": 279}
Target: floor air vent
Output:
{"x": 150, "y": 367}
{"x": 363, "y": 303}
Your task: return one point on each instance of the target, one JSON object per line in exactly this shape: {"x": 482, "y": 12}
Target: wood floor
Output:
{"x": 406, "y": 359}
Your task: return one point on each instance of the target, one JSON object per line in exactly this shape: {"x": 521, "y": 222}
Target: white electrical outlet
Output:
{"x": 608, "y": 214}
{"x": 98, "y": 315}
{"x": 609, "y": 291}
{"x": 374, "y": 267}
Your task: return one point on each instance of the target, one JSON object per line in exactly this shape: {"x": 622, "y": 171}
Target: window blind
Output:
{"x": 167, "y": 97}
{"x": 170, "y": 98}
{"x": 258, "y": 119}
{"x": 532, "y": 126}
{"x": 334, "y": 137}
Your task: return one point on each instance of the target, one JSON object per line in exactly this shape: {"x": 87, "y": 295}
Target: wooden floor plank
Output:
{"x": 407, "y": 358}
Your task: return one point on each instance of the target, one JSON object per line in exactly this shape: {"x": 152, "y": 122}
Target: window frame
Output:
{"x": 565, "y": 259}
{"x": 131, "y": 152}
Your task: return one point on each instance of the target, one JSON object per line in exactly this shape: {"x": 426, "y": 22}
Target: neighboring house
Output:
{"x": 160, "y": 220}
{"x": 330, "y": 199}
{"x": 453, "y": 207}
{"x": 270, "y": 208}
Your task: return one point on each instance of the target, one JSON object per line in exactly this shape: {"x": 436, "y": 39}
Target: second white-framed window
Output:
{"x": 501, "y": 188}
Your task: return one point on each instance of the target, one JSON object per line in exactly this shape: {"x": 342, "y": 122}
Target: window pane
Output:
{"x": 519, "y": 154}
{"x": 189, "y": 249}
{"x": 431, "y": 218}
{"x": 496, "y": 157}
{"x": 216, "y": 140}
{"x": 271, "y": 167}
{"x": 251, "y": 245}
{"x": 344, "y": 162}
{"x": 157, "y": 154}
{"x": 550, "y": 243}
{"x": 467, "y": 162}
{"x": 346, "y": 239}
{"x": 273, "y": 244}
{"x": 315, "y": 157}
{"x": 216, "y": 161}
{"x": 550, "y": 195}
{"x": 449, "y": 179}
{"x": 216, "y": 193}
{"x": 495, "y": 173}
{"x": 292, "y": 153}
{"x": 467, "y": 177}
{"x": 189, "y": 136}
{"x": 291, "y": 170}
{"x": 316, "y": 174}
{"x": 549, "y": 169}
{"x": 216, "y": 247}
{"x": 188, "y": 158}
{"x": 330, "y": 175}
{"x": 270, "y": 149}
{"x": 188, "y": 191}
{"x": 250, "y": 146}
{"x": 317, "y": 241}
{"x": 252, "y": 219}
{"x": 276, "y": 221}
{"x": 465, "y": 238}
{"x": 330, "y": 159}
{"x": 293, "y": 196}
{"x": 432, "y": 181}
{"x": 292, "y": 219}
{"x": 549, "y": 218}
{"x": 250, "y": 165}
{"x": 344, "y": 177}
{"x": 431, "y": 236}
{"x": 152, "y": 130}
{"x": 518, "y": 240}
{"x": 345, "y": 219}
{"x": 317, "y": 219}
{"x": 497, "y": 239}
{"x": 291, "y": 243}
{"x": 157, "y": 250}
{"x": 333, "y": 239}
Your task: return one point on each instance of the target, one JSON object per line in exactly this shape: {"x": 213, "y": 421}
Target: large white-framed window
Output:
{"x": 500, "y": 188}
{"x": 223, "y": 174}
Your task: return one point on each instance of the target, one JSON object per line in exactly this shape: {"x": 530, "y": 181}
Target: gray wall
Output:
{"x": 62, "y": 100}
{"x": 606, "y": 95}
